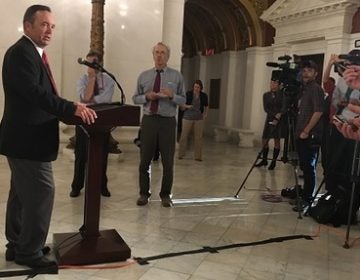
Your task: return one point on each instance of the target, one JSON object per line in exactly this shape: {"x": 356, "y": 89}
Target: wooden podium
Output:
{"x": 89, "y": 245}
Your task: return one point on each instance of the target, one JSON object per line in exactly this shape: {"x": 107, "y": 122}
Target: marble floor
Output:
{"x": 205, "y": 214}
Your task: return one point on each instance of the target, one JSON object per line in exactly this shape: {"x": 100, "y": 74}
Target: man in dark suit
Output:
{"x": 29, "y": 138}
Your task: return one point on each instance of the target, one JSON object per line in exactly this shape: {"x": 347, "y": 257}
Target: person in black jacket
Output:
{"x": 29, "y": 138}
{"x": 196, "y": 109}
{"x": 273, "y": 127}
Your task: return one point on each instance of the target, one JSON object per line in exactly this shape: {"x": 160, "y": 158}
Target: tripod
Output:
{"x": 355, "y": 173}
{"x": 288, "y": 151}
{"x": 290, "y": 154}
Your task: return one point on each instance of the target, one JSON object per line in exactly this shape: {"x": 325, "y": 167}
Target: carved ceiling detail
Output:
{"x": 222, "y": 25}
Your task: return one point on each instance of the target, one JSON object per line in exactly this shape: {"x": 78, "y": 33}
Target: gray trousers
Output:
{"x": 157, "y": 130}
{"x": 29, "y": 207}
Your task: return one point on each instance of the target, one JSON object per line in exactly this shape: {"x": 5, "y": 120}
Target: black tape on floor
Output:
{"x": 207, "y": 249}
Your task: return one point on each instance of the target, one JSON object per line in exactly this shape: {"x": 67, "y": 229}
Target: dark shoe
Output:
{"x": 198, "y": 159}
{"x": 74, "y": 193}
{"x": 263, "y": 155}
{"x": 156, "y": 156}
{"x": 105, "y": 192}
{"x": 290, "y": 192}
{"x": 10, "y": 254}
{"x": 142, "y": 200}
{"x": 37, "y": 263}
{"x": 114, "y": 150}
{"x": 166, "y": 202}
{"x": 137, "y": 142}
{"x": 272, "y": 165}
{"x": 261, "y": 163}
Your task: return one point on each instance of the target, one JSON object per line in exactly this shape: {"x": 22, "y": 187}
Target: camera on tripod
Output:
{"x": 288, "y": 73}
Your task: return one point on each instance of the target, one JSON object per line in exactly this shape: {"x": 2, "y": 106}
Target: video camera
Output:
{"x": 288, "y": 73}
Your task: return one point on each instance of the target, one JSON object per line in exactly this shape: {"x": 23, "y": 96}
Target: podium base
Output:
{"x": 76, "y": 249}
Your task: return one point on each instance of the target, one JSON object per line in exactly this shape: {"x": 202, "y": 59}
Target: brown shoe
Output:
{"x": 166, "y": 202}
{"x": 142, "y": 200}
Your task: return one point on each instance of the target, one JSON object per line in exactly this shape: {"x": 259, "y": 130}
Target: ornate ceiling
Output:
{"x": 224, "y": 25}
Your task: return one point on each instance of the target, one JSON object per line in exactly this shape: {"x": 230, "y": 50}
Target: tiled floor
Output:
{"x": 195, "y": 222}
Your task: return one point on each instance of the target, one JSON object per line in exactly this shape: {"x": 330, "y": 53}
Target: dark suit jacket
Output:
{"x": 30, "y": 127}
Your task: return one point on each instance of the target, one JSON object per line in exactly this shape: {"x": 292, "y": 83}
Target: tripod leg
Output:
{"x": 314, "y": 197}
{"x": 264, "y": 149}
{"x": 355, "y": 172}
{"x": 297, "y": 189}
{"x": 264, "y": 161}
{"x": 247, "y": 175}
{"x": 346, "y": 244}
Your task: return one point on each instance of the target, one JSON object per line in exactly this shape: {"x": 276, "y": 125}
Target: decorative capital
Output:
{"x": 296, "y": 11}
{"x": 259, "y": 6}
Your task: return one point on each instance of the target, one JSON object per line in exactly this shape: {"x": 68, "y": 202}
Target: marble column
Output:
{"x": 202, "y": 62}
{"x": 232, "y": 88}
{"x": 173, "y": 19}
{"x": 257, "y": 82}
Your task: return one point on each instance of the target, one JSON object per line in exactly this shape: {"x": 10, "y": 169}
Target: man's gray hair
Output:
{"x": 164, "y": 45}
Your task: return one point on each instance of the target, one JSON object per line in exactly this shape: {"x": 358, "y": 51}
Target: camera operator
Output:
{"x": 309, "y": 129}
{"x": 273, "y": 127}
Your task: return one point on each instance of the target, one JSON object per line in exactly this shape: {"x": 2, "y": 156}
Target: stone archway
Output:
{"x": 224, "y": 26}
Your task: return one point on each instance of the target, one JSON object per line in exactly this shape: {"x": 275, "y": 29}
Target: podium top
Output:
{"x": 110, "y": 114}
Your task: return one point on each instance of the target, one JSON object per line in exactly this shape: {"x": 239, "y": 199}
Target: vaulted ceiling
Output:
{"x": 224, "y": 25}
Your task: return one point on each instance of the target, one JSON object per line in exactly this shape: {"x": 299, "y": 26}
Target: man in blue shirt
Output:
{"x": 92, "y": 88}
{"x": 160, "y": 90}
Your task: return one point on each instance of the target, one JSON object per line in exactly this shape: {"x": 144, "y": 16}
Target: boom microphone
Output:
{"x": 284, "y": 57}
{"x": 93, "y": 65}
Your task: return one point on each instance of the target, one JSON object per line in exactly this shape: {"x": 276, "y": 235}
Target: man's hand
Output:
{"x": 91, "y": 72}
{"x": 86, "y": 114}
{"x": 151, "y": 95}
{"x": 352, "y": 76}
{"x": 167, "y": 92}
{"x": 350, "y": 130}
{"x": 334, "y": 58}
{"x": 304, "y": 135}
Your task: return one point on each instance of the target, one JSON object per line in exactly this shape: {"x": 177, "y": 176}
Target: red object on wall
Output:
{"x": 356, "y": 22}
{"x": 209, "y": 52}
